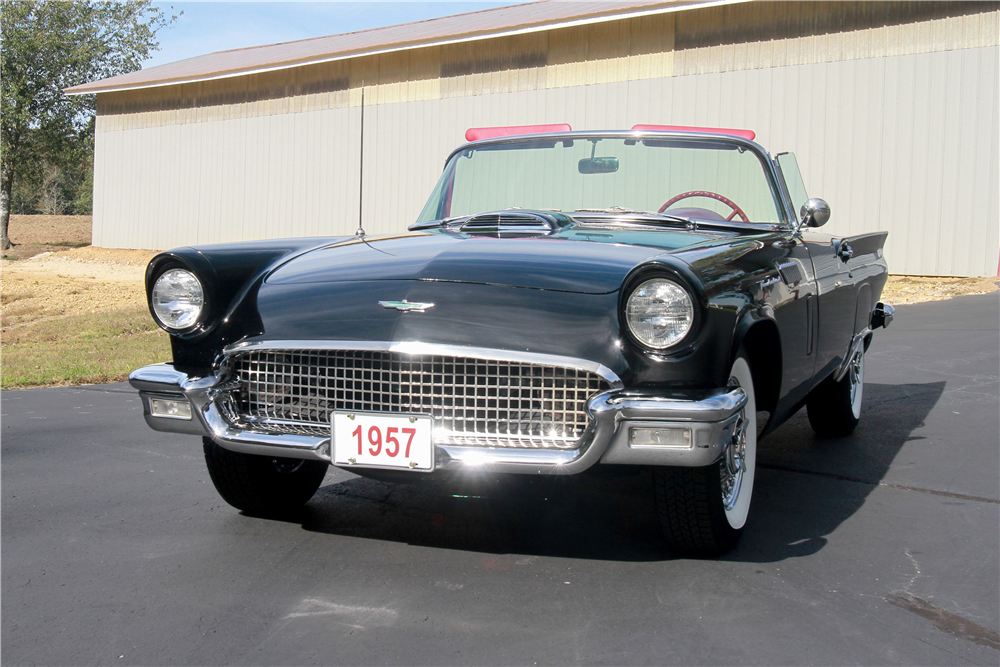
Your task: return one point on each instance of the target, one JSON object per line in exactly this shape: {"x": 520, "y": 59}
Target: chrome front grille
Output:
{"x": 473, "y": 401}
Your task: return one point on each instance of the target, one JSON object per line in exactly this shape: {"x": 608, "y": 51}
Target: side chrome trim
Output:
{"x": 857, "y": 345}
{"x": 710, "y": 416}
{"x": 418, "y": 348}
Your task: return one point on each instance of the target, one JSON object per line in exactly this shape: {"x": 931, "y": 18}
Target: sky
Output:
{"x": 205, "y": 27}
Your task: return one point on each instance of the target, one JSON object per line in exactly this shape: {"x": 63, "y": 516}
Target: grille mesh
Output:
{"x": 473, "y": 401}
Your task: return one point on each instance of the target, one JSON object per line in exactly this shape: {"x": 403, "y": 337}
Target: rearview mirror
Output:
{"x": 598, "y": 165}
{"x": 814, "y": 213}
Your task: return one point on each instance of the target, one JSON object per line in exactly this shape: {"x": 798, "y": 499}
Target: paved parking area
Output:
{"x": 880, "y": 548}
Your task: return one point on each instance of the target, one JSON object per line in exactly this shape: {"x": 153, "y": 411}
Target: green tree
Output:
{"x": 48, "y": 46}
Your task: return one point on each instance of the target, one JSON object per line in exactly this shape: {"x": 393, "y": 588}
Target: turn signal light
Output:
{"x": 170, "y": 408}
{"x": 674, "y": 438}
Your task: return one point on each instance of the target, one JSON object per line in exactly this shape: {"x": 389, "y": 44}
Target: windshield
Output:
{"x": 699, "y": 178}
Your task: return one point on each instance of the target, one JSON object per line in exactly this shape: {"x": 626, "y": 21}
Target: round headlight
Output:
{"x": 659, "y": 313}
{"x": 177, "y": 299}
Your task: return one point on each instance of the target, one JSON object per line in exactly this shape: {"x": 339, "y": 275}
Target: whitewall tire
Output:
{"x": 703, "y": 511}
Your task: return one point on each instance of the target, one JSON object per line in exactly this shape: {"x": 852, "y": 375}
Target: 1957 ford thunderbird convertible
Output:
{"x": 565, "y": 300}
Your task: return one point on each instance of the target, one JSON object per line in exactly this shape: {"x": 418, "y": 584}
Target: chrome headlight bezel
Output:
{"x": 191, "y": 298}
{"x": 680, "y": 305}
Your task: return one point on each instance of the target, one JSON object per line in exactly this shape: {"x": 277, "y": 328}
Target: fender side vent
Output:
{"x": 790, "y": 272}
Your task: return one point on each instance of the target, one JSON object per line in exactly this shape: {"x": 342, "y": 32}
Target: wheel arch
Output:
{"x": 760, "y": 337}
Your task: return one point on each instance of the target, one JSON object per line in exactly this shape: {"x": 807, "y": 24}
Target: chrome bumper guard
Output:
{"x": 707, "y": 417}
{"x": 882, "y": 315}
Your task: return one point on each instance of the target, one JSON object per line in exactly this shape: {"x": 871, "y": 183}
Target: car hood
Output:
{"x": 584, "y": 260}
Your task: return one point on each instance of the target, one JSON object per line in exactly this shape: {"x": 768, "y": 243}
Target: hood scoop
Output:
{"x": 514, "y": 224}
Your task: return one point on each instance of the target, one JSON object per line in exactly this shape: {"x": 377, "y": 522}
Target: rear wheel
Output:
{"x": 834, "y": 408}
{"x": 262, "y": 485}
{"x": 703, "y": 510}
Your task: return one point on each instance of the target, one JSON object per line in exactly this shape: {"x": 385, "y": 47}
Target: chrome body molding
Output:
{"x": 406, "y": 306}
{"x": 709, "y": 415}
{"x": 415, "y": 347}
{"x": 881, "y": 316}
{"x": 859, "y": 343}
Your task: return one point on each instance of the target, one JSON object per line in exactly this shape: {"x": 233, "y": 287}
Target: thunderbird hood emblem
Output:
{"x": 406, "y": 306}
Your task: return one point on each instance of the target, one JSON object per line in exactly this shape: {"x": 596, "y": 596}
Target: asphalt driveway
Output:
{"x": 879, "y": 548}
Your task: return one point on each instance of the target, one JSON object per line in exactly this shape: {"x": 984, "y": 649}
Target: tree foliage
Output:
{"x": 46, "y": 137}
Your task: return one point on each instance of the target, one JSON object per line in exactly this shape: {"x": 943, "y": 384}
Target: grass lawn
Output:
{"x": 81, "y": 349}
{"x": 77, "y": 315}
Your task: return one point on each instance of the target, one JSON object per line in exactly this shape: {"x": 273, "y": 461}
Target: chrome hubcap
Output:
{"x": 856, "y": 373}
{"x": 733, "y": 465}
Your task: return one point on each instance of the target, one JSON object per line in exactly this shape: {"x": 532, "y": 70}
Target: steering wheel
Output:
{"x": 711, "y": 195}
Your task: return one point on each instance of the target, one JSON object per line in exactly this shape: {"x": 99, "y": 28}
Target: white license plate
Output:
{"x": 383, "y": 440}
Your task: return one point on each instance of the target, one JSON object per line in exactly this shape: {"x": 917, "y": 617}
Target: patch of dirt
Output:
{"x": 110, "y": 263}
{"x": 35, "y": 234}
{"x": 54, "y": 271}
{"x": 901, "y": 290}
{"x": 72, "y": 282}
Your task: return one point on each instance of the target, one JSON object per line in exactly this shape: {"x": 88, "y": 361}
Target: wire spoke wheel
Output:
{"x": 835, "y": 407}
{"x": 703, "y": 510}
{"x": 856, "y": 373}
{"x": 734, "y": 463}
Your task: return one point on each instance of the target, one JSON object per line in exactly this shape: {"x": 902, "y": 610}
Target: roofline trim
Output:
{"x": 691, "y": 4}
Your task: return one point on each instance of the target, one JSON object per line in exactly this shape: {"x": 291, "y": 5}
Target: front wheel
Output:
{"x": 262, "y": 485}
{"x": 834, "y": 408}
{"x": 702, "y": 511}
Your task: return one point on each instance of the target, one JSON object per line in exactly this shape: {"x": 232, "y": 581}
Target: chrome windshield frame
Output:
{"x": 786, "y": 196}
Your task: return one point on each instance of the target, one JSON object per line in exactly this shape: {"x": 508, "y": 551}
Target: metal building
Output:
{"x": 891, "y": 107}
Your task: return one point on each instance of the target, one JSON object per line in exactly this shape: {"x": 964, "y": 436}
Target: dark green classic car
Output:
{"x": 655, "y": 297}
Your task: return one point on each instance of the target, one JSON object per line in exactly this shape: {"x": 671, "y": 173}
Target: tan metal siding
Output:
{"x": 741, "y": 37}
{"x": 767, "y": 34}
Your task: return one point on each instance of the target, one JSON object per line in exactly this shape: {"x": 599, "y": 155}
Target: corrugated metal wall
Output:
{"x": 896, "y": 135}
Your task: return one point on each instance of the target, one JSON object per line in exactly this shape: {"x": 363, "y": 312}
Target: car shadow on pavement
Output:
{"x": 806, "y": 487}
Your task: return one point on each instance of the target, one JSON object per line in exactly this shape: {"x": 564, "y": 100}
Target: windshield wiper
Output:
{"x": 430, "y": 224}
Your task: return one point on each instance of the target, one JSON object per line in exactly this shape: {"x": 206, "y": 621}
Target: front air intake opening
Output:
{"x": 507, "y": 224}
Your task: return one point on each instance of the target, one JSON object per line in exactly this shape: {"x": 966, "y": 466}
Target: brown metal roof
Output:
{"x": 529, "y": 17}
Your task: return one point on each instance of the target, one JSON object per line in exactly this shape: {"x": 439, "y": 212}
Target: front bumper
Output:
{"x": 708, "y": 418}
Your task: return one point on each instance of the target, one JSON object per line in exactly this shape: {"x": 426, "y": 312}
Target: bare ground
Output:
{"x": 76, "y": 281}
{"x": 901, "y": 290}
{"x": 54, "y": 271}
{"x": 31, "y": 235}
